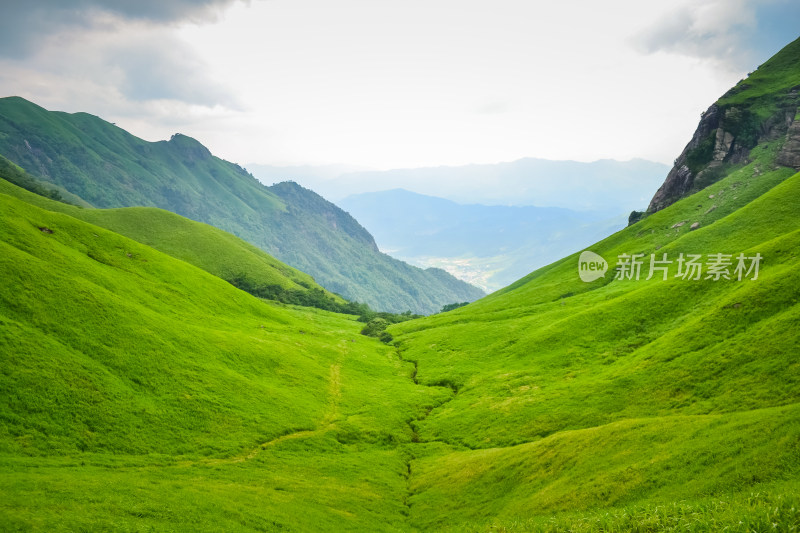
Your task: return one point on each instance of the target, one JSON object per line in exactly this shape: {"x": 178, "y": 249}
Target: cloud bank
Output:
{"x": 107, "y": 49}
{"x": 734, "y": 33}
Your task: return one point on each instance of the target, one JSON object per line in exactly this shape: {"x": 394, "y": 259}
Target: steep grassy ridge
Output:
{"x": 308, "y": 219}
{"x": 16, "y": 175}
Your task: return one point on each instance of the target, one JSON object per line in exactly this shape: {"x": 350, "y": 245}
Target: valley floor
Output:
{"x": 623, "y": 476}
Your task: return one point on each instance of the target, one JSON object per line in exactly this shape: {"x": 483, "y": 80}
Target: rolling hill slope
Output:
{"x": 576, "y": 396}
{"x": 139, "y": 391}
{"x": 628, "y": 403}
{"x": 201, "y": 245}
{"x": 108, "y": 167}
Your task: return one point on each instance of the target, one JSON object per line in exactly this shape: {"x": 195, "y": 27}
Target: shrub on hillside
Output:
{"x": 375, "y": 327}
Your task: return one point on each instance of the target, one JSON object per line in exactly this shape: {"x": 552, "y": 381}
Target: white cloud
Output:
{"x": 26, "y": 24}
{"x": 390, "y": 84}
{"x": 714, "y": 29}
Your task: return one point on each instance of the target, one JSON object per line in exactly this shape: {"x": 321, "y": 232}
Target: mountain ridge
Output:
{"x": 109, "y": 167}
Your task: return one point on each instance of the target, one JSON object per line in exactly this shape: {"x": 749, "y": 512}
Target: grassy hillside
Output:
{"x": 141, "y": 392}
{"x": 16, "y": 175}
{"x": 204, "y": 246}
{"x": 108, "y": 168}
{"x": 625, "y": 394}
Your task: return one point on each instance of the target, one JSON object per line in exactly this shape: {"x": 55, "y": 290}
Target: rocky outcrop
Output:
{"x": 722, "y": 145}
{"x": 758, "y": 110}
{"x": 727, "y": 136}
{"x": 678, "y": 182}
{"x": 789, "y": 156}
{"x": 680, "y": 179}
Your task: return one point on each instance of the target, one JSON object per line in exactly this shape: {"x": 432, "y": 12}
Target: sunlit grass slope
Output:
{"x": 204, "y": 246}
{"x": 138, "y": 391}
{"x": 581, "y": 396}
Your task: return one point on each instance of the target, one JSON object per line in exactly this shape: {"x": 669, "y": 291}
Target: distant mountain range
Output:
{"x": 489, "y": 246}
{"x": 615, "y": 186}
{"x": 108, "y": 167}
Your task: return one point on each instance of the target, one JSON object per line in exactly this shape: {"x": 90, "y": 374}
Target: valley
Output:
{"x": 162, "y": 370}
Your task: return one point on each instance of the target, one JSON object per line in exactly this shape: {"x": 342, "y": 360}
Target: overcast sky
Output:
{"x": 388, "y": 84}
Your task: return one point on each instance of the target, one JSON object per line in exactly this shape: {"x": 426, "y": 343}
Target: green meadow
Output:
{"x": 142, "y": 390}
{"x": 619, "y": 393}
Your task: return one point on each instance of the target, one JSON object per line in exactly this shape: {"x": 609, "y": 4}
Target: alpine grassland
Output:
{"x": 629, "y": 395}
{"x": 140, "y": 392}
{"x": 141, "y": 389}
{"x": 204, "y": 246}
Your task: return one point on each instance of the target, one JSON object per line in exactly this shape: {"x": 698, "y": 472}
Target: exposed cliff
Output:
{"x": 760, "y": 109}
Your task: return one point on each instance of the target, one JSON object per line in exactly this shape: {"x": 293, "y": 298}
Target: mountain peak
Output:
{"x": 189, "y": 147}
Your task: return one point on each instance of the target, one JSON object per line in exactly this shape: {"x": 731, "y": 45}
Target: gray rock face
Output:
{"x": 722, "y": 145}
{"x": 680, "y": 179}
{"x": 775, "y": 126}
{"x": 678, "y": 182}
{"x": 789, "y": 155}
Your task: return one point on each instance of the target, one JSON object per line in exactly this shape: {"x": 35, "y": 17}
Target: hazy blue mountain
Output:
{"x": 490, "y": 246}
{"x": 619, "y": 186}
